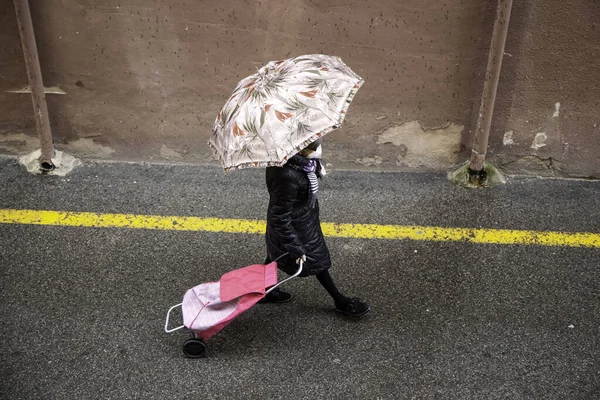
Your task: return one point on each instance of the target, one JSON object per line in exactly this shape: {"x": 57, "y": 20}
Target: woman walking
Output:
{"x": 294, "y": 228}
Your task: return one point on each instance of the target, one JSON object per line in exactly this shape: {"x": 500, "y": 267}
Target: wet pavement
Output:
{"x": 83, "y": 308}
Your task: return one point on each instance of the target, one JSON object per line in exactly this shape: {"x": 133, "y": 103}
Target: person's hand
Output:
{"x": 303, "y": 258}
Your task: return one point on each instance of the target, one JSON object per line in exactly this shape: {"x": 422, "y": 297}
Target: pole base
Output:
{"x": 489, "y": 176}
{"x": 61, "y": 164}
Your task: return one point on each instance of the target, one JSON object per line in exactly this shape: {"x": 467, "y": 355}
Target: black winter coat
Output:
{"x": 293, "y": 226}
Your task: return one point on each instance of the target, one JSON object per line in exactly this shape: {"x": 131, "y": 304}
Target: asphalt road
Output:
{"x": 83, "y": 308}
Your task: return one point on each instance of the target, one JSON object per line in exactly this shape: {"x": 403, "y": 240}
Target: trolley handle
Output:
{"x": 167, "y": 330}
{"x": 300, "y": 264}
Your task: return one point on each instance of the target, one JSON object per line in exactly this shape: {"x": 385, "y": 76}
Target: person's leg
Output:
{"x": 347, "y": 305}
{"x": 327, "y": 282}
{"x": 275, "y": 296}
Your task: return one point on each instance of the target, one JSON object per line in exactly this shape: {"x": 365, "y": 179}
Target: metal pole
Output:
{"x": 34, "y": 73}
{"x": 488, "y": 97}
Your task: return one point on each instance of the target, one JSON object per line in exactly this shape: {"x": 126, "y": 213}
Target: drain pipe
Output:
{"x": 34, "y": 73}
{"x": 477, "y": 172}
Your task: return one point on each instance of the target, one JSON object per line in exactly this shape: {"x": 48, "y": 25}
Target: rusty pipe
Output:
{"x": 36, "y": 83}
{"x": 490, "y": 87}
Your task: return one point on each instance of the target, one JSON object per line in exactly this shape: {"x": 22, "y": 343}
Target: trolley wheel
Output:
{"x": 194, "y": 348}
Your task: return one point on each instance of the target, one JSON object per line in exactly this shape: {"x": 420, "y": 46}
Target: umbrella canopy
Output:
{"x": 281, "y": 109}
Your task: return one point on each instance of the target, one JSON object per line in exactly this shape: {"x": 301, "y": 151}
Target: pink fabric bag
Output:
{"x": 209, "y": 307}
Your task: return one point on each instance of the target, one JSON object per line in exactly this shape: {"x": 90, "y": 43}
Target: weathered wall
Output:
{"x": 547, "y": 118}
{"x": 144, "y": 80}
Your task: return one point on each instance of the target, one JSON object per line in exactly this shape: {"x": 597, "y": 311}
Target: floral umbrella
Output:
{"x": 278, "y": 111}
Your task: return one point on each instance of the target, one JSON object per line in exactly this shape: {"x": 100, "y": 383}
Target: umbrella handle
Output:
{"x": 300, "y": 264}
{"x": 167, "y": 330}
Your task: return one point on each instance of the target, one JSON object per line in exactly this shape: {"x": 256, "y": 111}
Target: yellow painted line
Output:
{"x": 133, "y": 221}
{"x": 473, "y": 235}
{"x": 358, "y": 231}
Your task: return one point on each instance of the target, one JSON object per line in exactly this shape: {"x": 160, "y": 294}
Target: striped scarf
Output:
{"x": 312, "y": 168}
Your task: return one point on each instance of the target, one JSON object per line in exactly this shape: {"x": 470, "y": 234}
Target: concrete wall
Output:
{"x": 549, "y": 94}
{"x": 144, "y": 80}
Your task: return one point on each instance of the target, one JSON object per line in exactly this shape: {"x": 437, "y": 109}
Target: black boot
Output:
{"x": 276, "y": 296}
{"x": 353, "y": 307}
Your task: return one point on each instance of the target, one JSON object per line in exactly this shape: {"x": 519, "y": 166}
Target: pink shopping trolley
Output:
{"x": 209, "y": 307}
